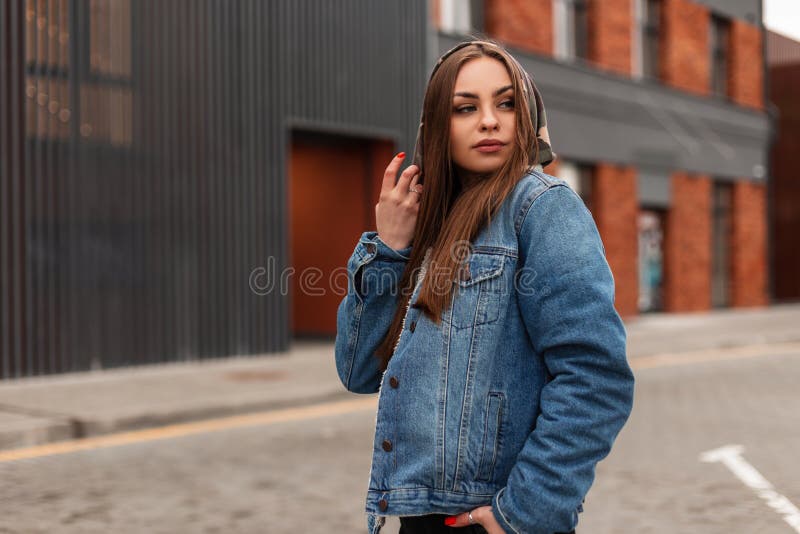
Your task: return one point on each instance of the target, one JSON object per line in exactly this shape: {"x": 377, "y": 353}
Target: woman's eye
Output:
{"x": 507, "y": 104}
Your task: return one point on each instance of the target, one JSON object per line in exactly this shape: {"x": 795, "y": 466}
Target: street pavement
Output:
{"x": 305, "y": 469}
{"x": 274, "y": 443}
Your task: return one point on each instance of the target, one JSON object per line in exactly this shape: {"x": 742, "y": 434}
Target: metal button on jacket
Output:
{"x": 412, "y": 326}
{"x": 394, "y": 382}
{"x": 387, "y": 445}
{"x": 465, "y": 274}
{"x": 383, "y": 504}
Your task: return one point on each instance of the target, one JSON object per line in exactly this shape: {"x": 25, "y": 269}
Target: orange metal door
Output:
{"x": 333, "y": 187}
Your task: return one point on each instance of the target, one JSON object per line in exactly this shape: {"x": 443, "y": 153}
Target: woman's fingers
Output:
{"x": 408, "y": 178}
{"x": 390, "y": 173}
{"x": 416, "y": 187}
{"x": 396, "y": 210}
{"x": 460, "y": 520}
{"x": 405, "y": 178}
{"x": 481, "y": 516}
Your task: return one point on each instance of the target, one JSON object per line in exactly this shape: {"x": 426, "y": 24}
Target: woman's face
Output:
{"x": 483, "y": 121}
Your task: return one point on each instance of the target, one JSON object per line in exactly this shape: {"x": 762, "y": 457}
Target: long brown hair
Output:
{"x": 451, "y": 216}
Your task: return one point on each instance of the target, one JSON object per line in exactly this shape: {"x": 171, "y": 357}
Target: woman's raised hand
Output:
{"x": 398, "y": 204}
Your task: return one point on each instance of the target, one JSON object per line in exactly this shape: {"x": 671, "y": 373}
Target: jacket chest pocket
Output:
{"x": 478, "y": 295}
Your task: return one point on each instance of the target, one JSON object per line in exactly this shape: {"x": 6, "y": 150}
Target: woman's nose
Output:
{"x": 488, "y": 121}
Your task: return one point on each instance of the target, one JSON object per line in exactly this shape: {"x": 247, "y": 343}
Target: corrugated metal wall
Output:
{"x": 781, "y": 50}
{"x": 143, "y": 164}
{"x": 12, "y": 233}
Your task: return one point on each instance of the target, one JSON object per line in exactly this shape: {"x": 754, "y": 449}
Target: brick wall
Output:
{"x": 746, "y": 72}
{"x": 687, "y": 245}
{"x": 615, "y": 209}
{"x": 610, "y": 27}
{"x": 525, "y": 24}
{"x": 685, "y": 60}
{"x": 748, "y": 245}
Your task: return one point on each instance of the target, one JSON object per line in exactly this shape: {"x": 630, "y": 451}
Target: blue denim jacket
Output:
{"x": 521, "y": 389}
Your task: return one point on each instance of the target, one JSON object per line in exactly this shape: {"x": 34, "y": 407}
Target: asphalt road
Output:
{"x": 306, "y": 470}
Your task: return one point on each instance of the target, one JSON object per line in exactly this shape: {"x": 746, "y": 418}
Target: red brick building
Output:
{"x": 682, "y": 233}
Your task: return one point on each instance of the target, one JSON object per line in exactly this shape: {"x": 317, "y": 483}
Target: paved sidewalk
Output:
{"x": 54, "y": 408}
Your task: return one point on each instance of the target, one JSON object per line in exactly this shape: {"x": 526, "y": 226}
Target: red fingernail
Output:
{"x": 450, "y": 521}
{"x": 401, "y": 155}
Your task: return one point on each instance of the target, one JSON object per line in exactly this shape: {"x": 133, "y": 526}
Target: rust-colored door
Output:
{"x": 334, "y": 183}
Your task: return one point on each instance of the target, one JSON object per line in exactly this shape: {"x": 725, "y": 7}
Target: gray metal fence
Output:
{"x": 143, "y": 157}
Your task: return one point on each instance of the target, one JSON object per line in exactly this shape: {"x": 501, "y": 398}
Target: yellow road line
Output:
{"x": 187, "y": 429}
{"x": 348, "y": 406}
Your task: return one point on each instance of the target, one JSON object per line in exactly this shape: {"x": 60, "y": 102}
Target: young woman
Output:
{"x": 482, "y": 310}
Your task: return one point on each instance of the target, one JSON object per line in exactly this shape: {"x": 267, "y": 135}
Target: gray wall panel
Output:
{"x": 653, "y": 186}
{"x": 747, "y": 10}
{"x": 356, "y": 78}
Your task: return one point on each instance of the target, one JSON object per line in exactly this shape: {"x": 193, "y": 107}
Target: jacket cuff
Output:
{"x": 501, "y": 518}
{"x": 372, "y": 246}
{"x": 501, "y": 510}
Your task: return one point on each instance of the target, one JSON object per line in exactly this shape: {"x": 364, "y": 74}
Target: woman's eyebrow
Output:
{"x": 473, "y": 95}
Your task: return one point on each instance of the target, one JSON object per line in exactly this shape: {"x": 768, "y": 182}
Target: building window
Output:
{"x": 91, "y": 98}
{"x": 571, "y": 25}
{"x": 47, "y": 69}
{"x": 651, "y": 225}
{"x": 720, "y": 243}
{"x": 579, "y": 177}
{"x": 106, "y": 94}
{"x": 461, "y": 16}
{"x": 647, "y": 20}
{"x": 719, "y": 43}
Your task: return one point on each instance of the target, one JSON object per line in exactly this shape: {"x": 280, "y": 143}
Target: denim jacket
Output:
{"x": 518, "y": 393}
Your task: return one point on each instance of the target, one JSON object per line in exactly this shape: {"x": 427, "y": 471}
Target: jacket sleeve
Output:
{"x": 366, "y": 311}
{"x": 568, "y": 309}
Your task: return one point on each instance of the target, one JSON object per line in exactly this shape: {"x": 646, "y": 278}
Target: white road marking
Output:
{"x": 731, "y": 457}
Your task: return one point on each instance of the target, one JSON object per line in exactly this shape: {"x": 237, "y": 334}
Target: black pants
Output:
{"x": 434, "y": 524}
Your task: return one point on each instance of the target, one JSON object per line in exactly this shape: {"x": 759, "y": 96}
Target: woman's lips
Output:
{"x": 489, "y": 148}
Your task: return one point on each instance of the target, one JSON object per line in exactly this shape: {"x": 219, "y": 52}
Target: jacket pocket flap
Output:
{"x": 480, "y": 267}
